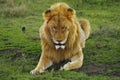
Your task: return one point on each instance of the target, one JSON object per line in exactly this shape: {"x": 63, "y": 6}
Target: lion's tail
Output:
{"x": 85, "y": 25}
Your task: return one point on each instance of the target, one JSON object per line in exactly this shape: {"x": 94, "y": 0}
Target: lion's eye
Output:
{"x": 63, "y": 28}
{"x": 54, "y": 29}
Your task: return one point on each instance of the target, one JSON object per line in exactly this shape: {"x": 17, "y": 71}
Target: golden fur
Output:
{"x": 62, "y": 37}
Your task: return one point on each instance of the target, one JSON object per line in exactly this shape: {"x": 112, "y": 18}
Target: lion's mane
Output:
{"x": 76, "y": 38}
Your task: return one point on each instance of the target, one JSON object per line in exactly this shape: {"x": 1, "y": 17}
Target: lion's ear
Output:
{"x": 70, "y": 13}
{"x": 47, "y": 14}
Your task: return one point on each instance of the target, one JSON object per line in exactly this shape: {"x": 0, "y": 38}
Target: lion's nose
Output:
{"x": 59, "y": 40}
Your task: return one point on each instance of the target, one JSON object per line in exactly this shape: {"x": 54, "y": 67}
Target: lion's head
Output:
{"x": 59, "y": 21}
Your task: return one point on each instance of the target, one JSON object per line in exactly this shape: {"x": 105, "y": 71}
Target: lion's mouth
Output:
{"x": 59, "y": 46}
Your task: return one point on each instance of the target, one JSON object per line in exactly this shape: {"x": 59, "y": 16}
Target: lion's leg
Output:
{"x": 76, "y": 62}
{"x": 43, "y": 64}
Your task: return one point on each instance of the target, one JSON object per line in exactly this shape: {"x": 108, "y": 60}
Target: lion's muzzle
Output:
{"x": 59, "y": 46}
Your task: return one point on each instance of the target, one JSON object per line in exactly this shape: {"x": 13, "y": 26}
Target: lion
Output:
{"x": 62, "y": 37}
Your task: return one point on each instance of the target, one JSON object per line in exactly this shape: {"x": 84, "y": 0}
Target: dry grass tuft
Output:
{"x": 10, "y": 9}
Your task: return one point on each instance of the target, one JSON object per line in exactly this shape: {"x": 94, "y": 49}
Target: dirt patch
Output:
{"x": 8, "y": 51}
{"x": 91, "y": 69}
{"x": 16, "y": 53}
{"x": 102, "y": 69}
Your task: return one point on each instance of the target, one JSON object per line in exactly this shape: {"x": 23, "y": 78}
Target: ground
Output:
{"x": 19, "y": 54}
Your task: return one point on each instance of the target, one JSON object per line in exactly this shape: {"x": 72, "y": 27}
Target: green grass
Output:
{"x": 19, "y": 54}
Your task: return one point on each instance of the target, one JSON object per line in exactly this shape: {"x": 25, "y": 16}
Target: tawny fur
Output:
{"x": 73, "y": 30}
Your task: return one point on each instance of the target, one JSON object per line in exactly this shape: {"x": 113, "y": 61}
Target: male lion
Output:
{"x": 62, "y": 37}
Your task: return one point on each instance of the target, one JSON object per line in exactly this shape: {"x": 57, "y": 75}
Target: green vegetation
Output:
{"x": 19, "y": 54}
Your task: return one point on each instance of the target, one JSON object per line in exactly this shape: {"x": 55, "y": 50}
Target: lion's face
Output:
{"x": 59, "y": 21}
{"x": 59, "y": 30}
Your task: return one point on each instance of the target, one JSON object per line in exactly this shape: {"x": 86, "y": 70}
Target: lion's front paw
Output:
{"x": 66, "y": 66}
{"x": 36, "y": 71}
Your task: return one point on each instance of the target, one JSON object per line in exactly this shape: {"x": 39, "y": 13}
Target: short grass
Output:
{"x": 19, "y": 54}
